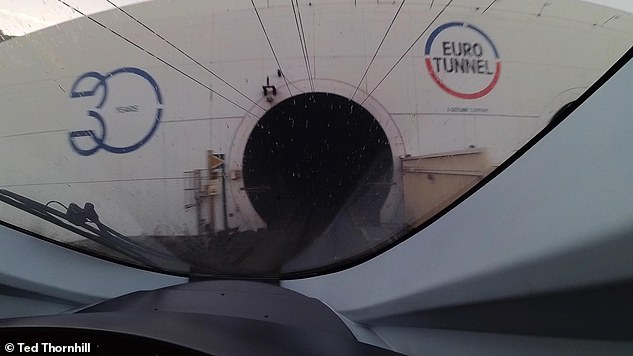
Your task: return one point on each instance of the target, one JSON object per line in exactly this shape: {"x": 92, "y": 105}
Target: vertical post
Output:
{"x": 223, "y": 170}
{"x": 215, "y": 163}
{"x": 196, "y": 191}
{"x": 211, "y": 178}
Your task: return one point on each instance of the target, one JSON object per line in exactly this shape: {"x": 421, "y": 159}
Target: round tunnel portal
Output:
{"x": 314, "y": 156}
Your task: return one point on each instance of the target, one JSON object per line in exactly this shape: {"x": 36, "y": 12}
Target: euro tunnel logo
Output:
{"x": 462, "y": 60}
{"x": 120, "y": 124}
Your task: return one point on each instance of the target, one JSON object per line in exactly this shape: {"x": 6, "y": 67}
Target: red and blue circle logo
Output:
{"x": 462, "y": 60}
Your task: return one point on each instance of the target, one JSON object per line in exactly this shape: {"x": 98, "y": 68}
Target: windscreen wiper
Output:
{"x": 85, "y": 222}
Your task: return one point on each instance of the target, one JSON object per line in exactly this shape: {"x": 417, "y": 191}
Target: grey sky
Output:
{"x": 18, "y": 17}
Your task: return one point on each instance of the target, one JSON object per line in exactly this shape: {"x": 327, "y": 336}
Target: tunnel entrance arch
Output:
{"x": 250, "y": 193}
{"x": 312, "y": 154}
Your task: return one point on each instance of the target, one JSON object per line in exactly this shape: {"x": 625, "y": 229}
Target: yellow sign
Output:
{"x": 214, "y": 161}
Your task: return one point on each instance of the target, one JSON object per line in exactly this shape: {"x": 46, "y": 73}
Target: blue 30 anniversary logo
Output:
{"x": 98, "y": 137}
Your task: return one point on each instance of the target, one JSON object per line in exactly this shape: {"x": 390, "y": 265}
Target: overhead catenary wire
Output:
{"x": 377, "y": 49}
{"x": 155, "y": 56}
{"x": 302, "y": 35}
{"x": 305, "y": 43}
{"x": 304, "y": 49}
{"x": 489, "y": 6}
{"x": 184, "y": 53}
{"x": 407, "y": 51}
{"x": 272, "y": 49}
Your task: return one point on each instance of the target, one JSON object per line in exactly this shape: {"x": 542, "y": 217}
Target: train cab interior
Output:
{"x": 272, "y": 177}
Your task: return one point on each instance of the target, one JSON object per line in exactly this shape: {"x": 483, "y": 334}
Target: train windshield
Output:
{"x": 275, "y": 139}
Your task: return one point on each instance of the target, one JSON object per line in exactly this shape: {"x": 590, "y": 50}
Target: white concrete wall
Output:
{"x": 546, "y": 62}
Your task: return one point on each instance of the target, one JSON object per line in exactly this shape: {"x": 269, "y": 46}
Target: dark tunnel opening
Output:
{"x": 312, "y": 156}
